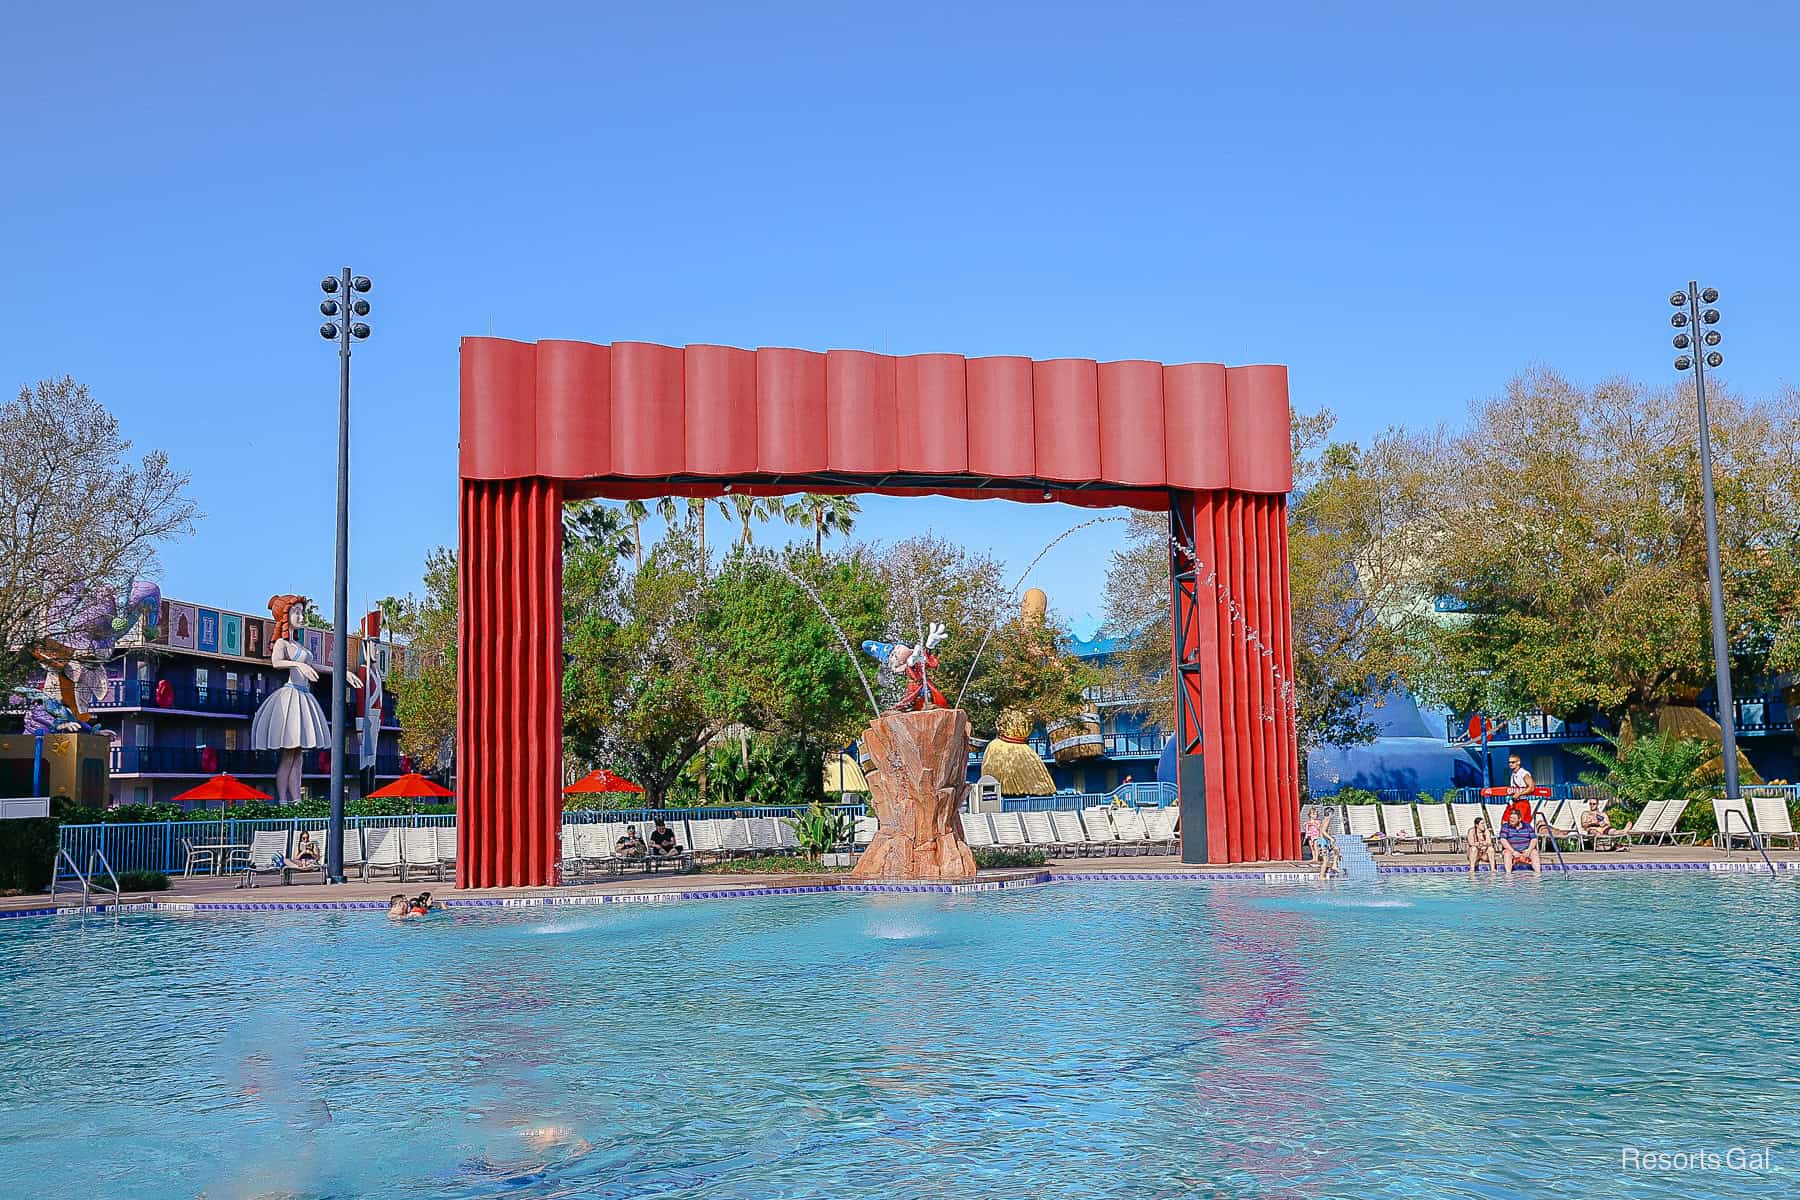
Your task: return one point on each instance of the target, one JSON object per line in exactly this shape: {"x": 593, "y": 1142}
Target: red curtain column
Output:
{"x": 509, "y": 684}
{"x": 1233, "y": 635}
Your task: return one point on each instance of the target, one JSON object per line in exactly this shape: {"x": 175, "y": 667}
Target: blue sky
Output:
{"x": 1406, "y": 203}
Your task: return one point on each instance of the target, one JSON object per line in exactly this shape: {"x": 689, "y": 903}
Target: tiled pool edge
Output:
{"x": 992, "y": 885}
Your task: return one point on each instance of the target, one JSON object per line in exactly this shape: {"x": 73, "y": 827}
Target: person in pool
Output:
{"x": 398, "y": 908}
{"x": 1519, "y": 843}
{"x": 1324, "y": 847}
{"x": 1481, "y": 846}
{"x": 423, "y": 905}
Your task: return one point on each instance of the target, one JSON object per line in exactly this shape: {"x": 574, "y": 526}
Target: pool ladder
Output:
{"x": 1755, "y": 837}
{"x": 62, "y": 857}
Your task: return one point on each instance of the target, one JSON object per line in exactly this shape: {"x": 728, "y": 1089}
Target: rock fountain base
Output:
{"x": 917, "y": 782}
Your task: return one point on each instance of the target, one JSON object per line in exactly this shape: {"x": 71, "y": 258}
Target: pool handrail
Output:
{"x": 1755, "y": 838}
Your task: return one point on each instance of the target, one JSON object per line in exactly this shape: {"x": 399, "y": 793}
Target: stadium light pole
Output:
{"x": 1694, "y": 330}
{"x": 342, "y": 306}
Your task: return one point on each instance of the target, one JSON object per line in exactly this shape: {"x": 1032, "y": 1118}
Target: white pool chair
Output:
{"x": 1008, "y": 829}
{"x": 1773, "y": 820}
{"x": 765, "y": 837}
{"x": 1159, "y": 825}
{"x": 1496, "y": 815}
{"x": 353, "y": 850}
{"x": 786, "y": 840}
{"x": 866, "y": 827}
{"x": 446, "y": 847}
{"x": 708, "y": 837}
{"x": 1365, "y": 823}
{"x": 1100, "y": 831}
{"x": 1733, "y": 820}
{"x": 1397, "y": 821}
{"x": 418, "y": 852}
{"x": 268, "y": 849}
{"x": 1128, "y": 827}
{"x": 1464, "y": 816}
{"x": 737, "y": 836}
{"x": 1069, "y": 832}
{"x": 1665, "y": 830}
{"x": 976, "y": 830}
{"x": 381, "y": 852}
{"x": 1640, "y": 827}
{"x": 1041, "y": 833}
{"x": 1435, "y": 826}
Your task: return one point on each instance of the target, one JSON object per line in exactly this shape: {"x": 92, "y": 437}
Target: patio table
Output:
{"x": 220, "y": 854}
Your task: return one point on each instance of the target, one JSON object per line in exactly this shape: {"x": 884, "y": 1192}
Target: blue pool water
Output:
{"x": 1415, "y": 1038}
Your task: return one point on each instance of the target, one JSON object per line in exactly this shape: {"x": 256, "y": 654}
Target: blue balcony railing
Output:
{"x": 208, "y": 760}
{"x": 1526, "y": 727}
{"x": 1757, "y": 714}
{"x": 133, "y": 693}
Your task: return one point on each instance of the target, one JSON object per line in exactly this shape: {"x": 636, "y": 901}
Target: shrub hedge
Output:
{"x": 27, "y": 853}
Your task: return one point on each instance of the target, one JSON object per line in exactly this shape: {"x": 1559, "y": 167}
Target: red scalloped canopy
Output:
{"x": 637, "y": 419}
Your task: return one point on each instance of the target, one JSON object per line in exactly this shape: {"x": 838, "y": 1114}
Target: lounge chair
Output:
{"x": 381, "y": 852}
{"x": 1465, "y": 816}
{"x": 683, "y": 857}
{"x": 1397, "y": 820}
{"x": 866, "y": 828}
{"x": 1773, "y": 820}
{"x": 1100, "y": 831}
{"x": 418, "y": 852}
{"x": 1008, "y": 830}
{"x": 976, "y": 830}
{"x": 1435, "y": 826}
{"x": 1128, "y": 824}
{"x": 353, "y": 850}
{"x": 1639, "y": 827}
{"x": 1069, "y": 832}
{"x": 1040, "y": 832}
{"x": 1159, "y": 826}
{"x": 765, "y": 835}
{"x": 1496, "y": 815}
{"x": 709, "y": 837}
{"x": 446, "y": 847}
{"x": 1733, "y": 820}
{"x": 1365, "y": 823}
{"x": 1664, "y": 831}
{"x": 268, "y": 856}
{"x": 737, "y": 837}
{"x": 1563, "y": 819}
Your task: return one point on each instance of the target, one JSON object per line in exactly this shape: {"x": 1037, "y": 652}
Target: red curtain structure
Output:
{"x": 550, "y": 421}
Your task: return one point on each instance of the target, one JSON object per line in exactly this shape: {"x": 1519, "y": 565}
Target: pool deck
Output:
{"x": 203, "y": 893}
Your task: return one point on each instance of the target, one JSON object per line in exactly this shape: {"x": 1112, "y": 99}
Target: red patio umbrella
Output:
{"x": 412, "y": 786}
{"x": 223, "y": 787}
{"x": 601, "y": 780}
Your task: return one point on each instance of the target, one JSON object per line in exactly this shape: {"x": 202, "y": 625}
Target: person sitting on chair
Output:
{"x": 1481, "y": 846}
{"x": 1519, "y": 843}
{"x": 1594, "y": 821}
{"x": 306, "y": 853}
{"x": 662, "y": 840}
{"x": 629, "y": 845}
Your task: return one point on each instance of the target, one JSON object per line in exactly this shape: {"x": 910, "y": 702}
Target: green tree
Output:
{"x": 747, "y": 509}
{"x": 594, "y": 521}
{"x": 635, "y": 512}
{"x": 1566, "y": 527}
{"x": 637, "y": 690}
{"x": 929, "y": 578}
{"x": 827, "y": 514}
{"x": 427, "y": 693}
{"x": 783, "y": 668}
{"x": 82, "y": 520}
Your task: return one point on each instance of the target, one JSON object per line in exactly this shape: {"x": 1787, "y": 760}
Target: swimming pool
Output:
{"x": 1425, "y": 1037}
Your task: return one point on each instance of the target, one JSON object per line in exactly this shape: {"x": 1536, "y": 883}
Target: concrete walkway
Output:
{"x": 203, "y": 890}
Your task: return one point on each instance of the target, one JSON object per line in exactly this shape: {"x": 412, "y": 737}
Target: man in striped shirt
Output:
{"x": 1518, "y": 842}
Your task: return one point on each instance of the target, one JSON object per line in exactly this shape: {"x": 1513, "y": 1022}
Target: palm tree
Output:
{"x": 827, "y": 514}
{"x": 749, "y": 508}
{"x": 596, "y": 524}
{"x": 696, "y": 506}
{"x": 635, "y": 512}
